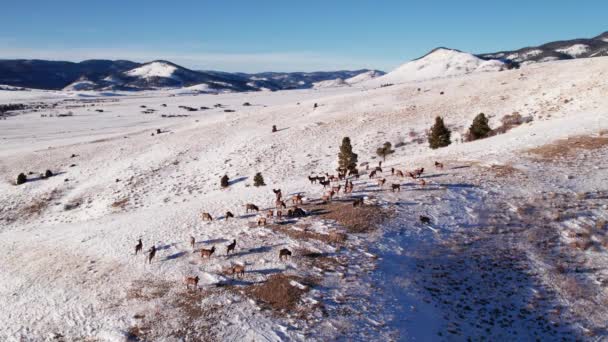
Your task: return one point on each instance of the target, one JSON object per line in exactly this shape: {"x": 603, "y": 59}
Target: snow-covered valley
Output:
{"x": 501, "y": 257}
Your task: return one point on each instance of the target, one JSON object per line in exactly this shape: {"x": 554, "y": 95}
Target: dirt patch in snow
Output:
{"x": 280, "y": 292}
{"x": 569, "y": 147}
{"x": 355, "y": 219}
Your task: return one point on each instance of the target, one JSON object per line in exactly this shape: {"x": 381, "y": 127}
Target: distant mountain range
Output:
{"x": 558, "y": 50}
{"x": 127, "y": 75}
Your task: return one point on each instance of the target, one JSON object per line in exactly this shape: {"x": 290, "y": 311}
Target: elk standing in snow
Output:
{"x": 192, "y": 242}
{"x": 396, "y": 187}
{"x": 251, "y": 207}
{"x": 231, "y": 247}
{"x": 284, "y": 253}
{"x": 358, "y": 202}
{"x": 151, "y": 254}
{"x": 206, "y": 217}
{"x": 206, "y": 253}
{"x": 139, "y": 246}
{"x": 191, "y": 281}
{"x": 381, "y": 182}
{"x": 312, "y": 179}
{"x": 277, "y": 194}
{"x": 372, "y": 174}
{"x": 325, "y": 183}
{"x": 229, "y": 215}
{"x": 296, "y": 199}
{"x": 238, "y": 270}
{"x": 280, "y": 204}
{"x": 400, "y": 173}
{"x": 439, "y": 165}
{"x": 262, "y": 221}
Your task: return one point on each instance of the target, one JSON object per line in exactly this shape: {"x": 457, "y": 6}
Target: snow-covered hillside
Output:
{"x": 521, "y": 214}
{"x": 438, "y": 63}
{"x": 154, "y": 69}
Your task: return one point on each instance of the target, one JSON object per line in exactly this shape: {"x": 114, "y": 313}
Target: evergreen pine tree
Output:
{"x": 479, "y": 129}
{"x": 258, "y": 180}
{"x": 440, "y": 135}
{"x": 346, "y": 158}
{"x": 224, "y": 181}
{"x": 21, "y": 178}
{"x": 385, "y": 150}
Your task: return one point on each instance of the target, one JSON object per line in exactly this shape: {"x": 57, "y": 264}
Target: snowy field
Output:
{"x": 516, "y": 249}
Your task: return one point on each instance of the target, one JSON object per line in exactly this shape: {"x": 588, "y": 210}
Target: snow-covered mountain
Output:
{"x": 558, "y": 50}
{"x": 439, "y": 63}
{"x": 340, "y": 82}
{"x": 126, "y": 75}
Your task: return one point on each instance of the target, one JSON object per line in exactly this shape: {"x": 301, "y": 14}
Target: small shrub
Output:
{"x": 479, "y": 129}
{"x": 274, "y": 128}
{"x": 21, "y": 178}
{"x": 439, "y": 135}
{"x": 347, "y": 159}
{"x": 224, "y": 181}
{"x": 258, "y": 180}
{"x": 385, "y": 150}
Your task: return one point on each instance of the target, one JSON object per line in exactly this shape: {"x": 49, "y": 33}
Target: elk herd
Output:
{"x": 332, "y": 186}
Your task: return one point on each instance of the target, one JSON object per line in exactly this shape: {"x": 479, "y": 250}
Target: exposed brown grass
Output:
{"x": 505, "y": 171}
{"x": 277, "y": 293}
{"x": 569, "y": 147}
{"x": 354, "y": 219}
{"x": 120, "y": 204}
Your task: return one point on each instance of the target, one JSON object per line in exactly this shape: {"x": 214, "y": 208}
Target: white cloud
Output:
{"x": 245, "y": 62}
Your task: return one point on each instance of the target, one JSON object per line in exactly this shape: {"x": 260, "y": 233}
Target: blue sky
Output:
{"x": 285, "y": 35}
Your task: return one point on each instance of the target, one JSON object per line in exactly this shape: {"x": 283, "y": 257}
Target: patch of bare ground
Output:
{"x": 170, "y": 311}
{"x": 566, "y": 236}
{"x": 281, "y": 293}
{"x": 506, "y": 170}
{"x": 121, "y": 203}
{"x": 35, "y": 207}
{"x": 354, "y": 219}
{"x": 570, "y": 146}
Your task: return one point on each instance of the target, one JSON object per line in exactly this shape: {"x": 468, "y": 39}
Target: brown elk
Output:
{"x": 312, "y": 180}
{"x": 279, "y": 214}
{"x": 280, "y": 204}
{"x": 262, "y": 221}
{"x": 418, "y": 172}
{"x": 381, "y": 182}
{"x": 192, "y": 242}
{"x": 251, "y": 207}
{"x": 400, "y": 173}
{"x": 336, "y": 189}
{"x": 321, "y": 178}
{"x": 206, "y": 253}
{"x": 270, "y": 213}
{"x": 411, "y": 175}
{"x": 284, "y": 253}
{"x": 151, "y": 254}
{"x": 422, "y": 182}
{"x": 229, "y": 215}
{"x": 379, "y": 169}
{"x": 231, "y": 247}
{"x": 438, "y": 165}
{"x": 392, "y": 171}
{"x": 206, "y": 217}
{"x": 139, "y": 246}
{"x": 372, "y": 174}
{"x": 325, "y": 183}
{"x": 395, "y": 187}
{"x": 296, "y": 199}
{"x": 328, "y": 196}
{"x": 278, "y": 194}
{"x": 358, "y": 202}
{"x": 191, "y": 281}
{"x": 238, "y": 270}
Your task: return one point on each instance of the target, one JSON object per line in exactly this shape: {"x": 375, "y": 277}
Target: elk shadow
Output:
{"x": 175, "y": 256}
